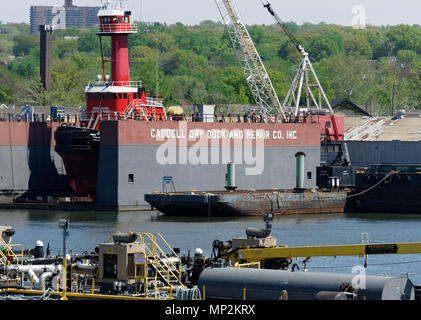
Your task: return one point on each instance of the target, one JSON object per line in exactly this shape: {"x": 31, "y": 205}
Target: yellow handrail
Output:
{"x": 151, "y": 250}
{"x": 10, "y": 251}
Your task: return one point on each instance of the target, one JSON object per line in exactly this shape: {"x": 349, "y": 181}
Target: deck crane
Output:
{"x": 293, "y": 99}
{"x": 264, "y": 93}
{"x": 257, "y": 77}
{"x": 259, "y": 246}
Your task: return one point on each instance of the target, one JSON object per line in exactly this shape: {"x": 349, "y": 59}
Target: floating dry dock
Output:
{"x": 248, "y": 202}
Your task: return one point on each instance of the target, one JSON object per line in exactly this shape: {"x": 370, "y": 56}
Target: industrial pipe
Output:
{"x": 43, "y": 278}
{"x": 231, "y": 176}
{"x": 300, "y": 157}
{"x": 264, "y": 284}
{"x": 32, "y": 271}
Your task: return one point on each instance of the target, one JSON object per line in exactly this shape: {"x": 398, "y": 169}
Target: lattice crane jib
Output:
{"x": 255, "y": 72}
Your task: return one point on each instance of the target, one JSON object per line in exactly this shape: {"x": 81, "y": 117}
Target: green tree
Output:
{"x": 88, "y": 42}
{"x": 161, "y": 41}
{"x": 6, "y": 94}
{"x": 325, "y": 46}
{"x": 22, "y": 44}
{"x": 65, "y": 48}
{"x": 235, "y": 78}
{"x": 288, "y": 51}
{"x": 68, "y": 89}
{"x": 358, "y": 46}
{"x": 404, "y": 37}
{"x": 6, "y": 48}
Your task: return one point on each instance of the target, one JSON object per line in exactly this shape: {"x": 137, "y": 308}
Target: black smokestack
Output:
{"x": 45, "y": 57}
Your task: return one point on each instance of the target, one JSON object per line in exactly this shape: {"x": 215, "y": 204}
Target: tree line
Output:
{"x": 376, "y": 67}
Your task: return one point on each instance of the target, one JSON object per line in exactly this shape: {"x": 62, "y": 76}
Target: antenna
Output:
{"x": 157, "y": 72}
{"x": 141, "y": 10}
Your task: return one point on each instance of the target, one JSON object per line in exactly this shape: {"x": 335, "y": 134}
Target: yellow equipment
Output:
{"x": 259, "y": 254}
{"x": 260, "y": 247}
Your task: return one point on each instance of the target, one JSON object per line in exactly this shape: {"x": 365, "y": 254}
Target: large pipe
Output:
{"x": 31, "y": 275}
{"x": 85, "y": 268}
{"x": 231, "y": 176}
{"x": 264, "y": 284}
{"x": 300, "y": 157}
{"x": 32, "y": 272}
{"x": 43, "y": 279}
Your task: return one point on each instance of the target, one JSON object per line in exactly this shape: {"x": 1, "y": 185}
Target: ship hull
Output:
{"x": 379, "y": 193}
{"x": 248, "y": 203}
{"x": 79, "y": 149}
{"x": 82, "y": 169}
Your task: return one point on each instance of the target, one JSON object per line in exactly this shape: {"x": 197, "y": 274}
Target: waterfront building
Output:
{"x": 61, "y": 17}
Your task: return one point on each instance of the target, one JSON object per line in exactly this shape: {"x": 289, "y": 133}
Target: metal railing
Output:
{"x": 156, "y": 256}
{"x": 135, "y": 110}
{"x": 9, "y": 252}
{"x": 127, "y": 84}
{"x": 118, "y": 28}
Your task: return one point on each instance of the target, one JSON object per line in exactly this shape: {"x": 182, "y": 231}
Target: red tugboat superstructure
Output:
{"x": 110, "y": 98}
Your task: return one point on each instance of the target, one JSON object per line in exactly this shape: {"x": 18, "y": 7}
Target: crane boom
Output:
{"x": 259, "y": 254}
{"x": 302, "y": 77}
{"x": 256, "y": 75}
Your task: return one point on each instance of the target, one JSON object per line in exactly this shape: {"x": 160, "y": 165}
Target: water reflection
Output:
{"x": 53, "y": 215}
{"x": 383, "y": 216}
{"x": 278, "y": 219}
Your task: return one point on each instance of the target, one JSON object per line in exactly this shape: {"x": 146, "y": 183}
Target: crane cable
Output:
{"x": 288, "y": 32}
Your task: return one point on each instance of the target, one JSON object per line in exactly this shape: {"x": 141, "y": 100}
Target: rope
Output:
{"x": 372, "y": 187}
{"x": 362, "y": 192}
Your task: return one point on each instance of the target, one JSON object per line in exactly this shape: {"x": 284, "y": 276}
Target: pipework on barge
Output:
{"x": 142, "y": 266}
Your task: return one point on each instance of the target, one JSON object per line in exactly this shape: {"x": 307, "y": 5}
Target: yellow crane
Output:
{"x": 260, "y": 247}
{"x": 259, "y": 254}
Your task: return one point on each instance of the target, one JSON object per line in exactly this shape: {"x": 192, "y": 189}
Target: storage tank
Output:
{"x": 263, "y": 284}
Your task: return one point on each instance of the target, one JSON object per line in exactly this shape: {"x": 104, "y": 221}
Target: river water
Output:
{"x": 88, "y": 229}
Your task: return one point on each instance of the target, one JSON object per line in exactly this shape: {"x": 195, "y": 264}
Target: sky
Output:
{"x": 191, "y": 12}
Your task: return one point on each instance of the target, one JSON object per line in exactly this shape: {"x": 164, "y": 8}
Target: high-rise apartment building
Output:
{"x": 63, "y": 17}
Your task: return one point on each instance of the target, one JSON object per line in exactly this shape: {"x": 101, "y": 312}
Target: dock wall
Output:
{"x": 129, "y": 167}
